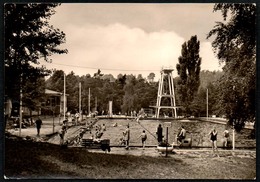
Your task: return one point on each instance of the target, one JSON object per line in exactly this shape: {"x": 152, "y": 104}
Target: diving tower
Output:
{"x": 166, "y": 90}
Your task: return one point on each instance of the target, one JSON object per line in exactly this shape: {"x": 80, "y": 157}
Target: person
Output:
{"x": 226, "y": 137}
{"x": 62, "y": 132}
{"x": 140, "y": 114}
{"x": 143, "y": 137}
{"x": 213, "y": 137}
{"x": 181, "y": 135}
{"x": 122, "y": 140}
{"x": 115, "y": 125}
{"x": 91, "y": 135}
{"x": 65, "y": 122}
{"x": 97, "y": 134}
{"x": 159, "y": 133}
{"x": 127, "y": 136}
{"x": 77, "y": 118}
{"x": 103, "y": 128}
{"x": 38, "y": 125}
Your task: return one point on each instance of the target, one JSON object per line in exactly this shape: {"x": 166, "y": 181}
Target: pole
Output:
{"x": 64, "y": 97}
{"x": 207, "y": 105}
{"x": 89, "y": 101}
{"x": 53, "y": 121}
{"x": 21, "y": 106}
{"x": 166, "y": 152}
{"x": 233, "y": 141}
{"x": 80, "y": 100}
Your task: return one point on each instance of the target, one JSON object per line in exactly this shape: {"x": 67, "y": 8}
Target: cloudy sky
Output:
{"x": 131, "y": 38}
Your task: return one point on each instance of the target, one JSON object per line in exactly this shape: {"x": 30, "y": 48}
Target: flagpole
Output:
{"x": 80, "y": 100}
{"x": 64, "y": 97}
{"x": 207, "y": 105}
{"x": 88, "y": 100}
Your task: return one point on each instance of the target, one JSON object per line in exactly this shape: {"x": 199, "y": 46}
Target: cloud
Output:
{"x": 118, "y": 47}
{"x": 129, "y": 38}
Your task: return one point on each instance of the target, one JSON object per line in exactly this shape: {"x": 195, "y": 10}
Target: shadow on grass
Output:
{"x": 24, "y": 159}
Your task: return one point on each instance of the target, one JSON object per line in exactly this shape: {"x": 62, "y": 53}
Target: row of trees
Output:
{"x": 129, "y": 92}
{"x": 29, "y": 38}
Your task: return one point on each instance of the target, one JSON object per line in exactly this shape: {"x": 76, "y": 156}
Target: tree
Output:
{"x": 56, "y": 81}
{"x": 150, "y": 77}
{"x": 28, "y": 38}
{"x": 33, "y": 92}
{"x": 235, "y": 44}
{"x": 189, "y": 71}
{"x": 98, "y": 74}
{"x": 129, "y": 96}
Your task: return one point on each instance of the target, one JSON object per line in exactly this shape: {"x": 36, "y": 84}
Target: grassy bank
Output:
{"x": 25, "y": 159}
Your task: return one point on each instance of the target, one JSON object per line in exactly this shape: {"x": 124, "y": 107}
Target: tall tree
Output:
{"x": 235, "y": 45}
{"x": 28, "y": 38}
{"x": 189, "y": 71}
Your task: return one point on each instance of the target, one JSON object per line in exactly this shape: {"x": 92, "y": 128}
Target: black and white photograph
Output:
{"x": 130, "y": 91}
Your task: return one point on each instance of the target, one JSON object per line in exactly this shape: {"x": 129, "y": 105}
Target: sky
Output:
{"x": 130, "y": 38}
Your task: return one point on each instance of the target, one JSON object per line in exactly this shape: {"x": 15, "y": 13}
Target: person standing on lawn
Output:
{"x": 213, "y": 137}
{"x": 159, "y": 133}
{"x": 38, "y": 123}
{"x": 127, "y": 136}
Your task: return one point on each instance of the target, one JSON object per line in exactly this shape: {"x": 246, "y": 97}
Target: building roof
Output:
{"x": 52, "y": 92}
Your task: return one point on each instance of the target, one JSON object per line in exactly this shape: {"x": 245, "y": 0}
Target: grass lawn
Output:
{"x": 25, "y": 159}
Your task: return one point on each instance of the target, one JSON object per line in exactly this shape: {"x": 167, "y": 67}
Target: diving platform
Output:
{"x": 166, "y": 90}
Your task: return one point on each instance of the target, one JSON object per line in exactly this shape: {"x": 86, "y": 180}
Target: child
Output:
{"x": 143, "y": 137}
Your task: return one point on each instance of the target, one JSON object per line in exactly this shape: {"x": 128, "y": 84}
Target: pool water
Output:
{"x": 198, "y": 130}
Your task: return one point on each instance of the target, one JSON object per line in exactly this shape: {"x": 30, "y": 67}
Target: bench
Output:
{"x": 96, "y": 144}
